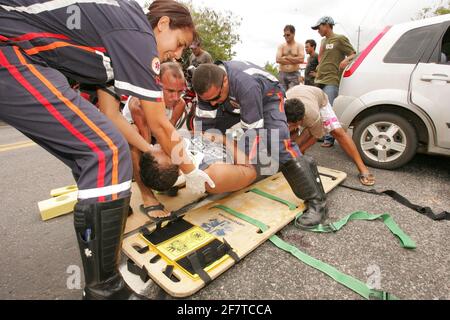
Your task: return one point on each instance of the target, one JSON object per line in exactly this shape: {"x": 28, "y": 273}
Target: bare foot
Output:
{"x": 155, "y": 210}
{"x": 158, "y": 214}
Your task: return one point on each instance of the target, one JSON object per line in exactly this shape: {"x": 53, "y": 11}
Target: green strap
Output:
{"x": 354, "y": 284}
{"x": 292, "y": 206}
{"x": 244, "y": 217}
{"x": 405, "y": 241}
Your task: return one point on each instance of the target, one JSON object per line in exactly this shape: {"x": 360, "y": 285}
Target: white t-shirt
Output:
{"x": 127, "y": 113}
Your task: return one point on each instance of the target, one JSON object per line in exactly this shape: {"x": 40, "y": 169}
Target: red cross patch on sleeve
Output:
{"x": 156, "y": 65}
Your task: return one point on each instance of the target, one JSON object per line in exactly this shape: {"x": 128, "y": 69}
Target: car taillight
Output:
{"x": 356, "y": 63}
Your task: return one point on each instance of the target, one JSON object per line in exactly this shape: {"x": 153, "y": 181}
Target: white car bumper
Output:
{"x": 346, "y": 109}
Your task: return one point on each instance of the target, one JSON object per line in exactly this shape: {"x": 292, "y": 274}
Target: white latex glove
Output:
{"x": 195, "y": 181}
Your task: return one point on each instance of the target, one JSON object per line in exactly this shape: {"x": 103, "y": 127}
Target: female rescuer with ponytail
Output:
{"x": 95, "y": 42}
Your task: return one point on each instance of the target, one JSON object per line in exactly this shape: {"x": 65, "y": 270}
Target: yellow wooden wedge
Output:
{"x": 60, "y": 191}
{"x": 57, "y": 206}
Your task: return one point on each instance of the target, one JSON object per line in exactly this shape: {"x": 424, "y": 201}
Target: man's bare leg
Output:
{"x": 350, "y": 148}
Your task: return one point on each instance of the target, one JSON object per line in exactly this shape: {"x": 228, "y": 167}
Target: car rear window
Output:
{"x": 445, "y": 48}
{"x": 411, "y": 45}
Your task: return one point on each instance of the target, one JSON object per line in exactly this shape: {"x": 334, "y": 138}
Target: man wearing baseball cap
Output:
{"x": 335, "y": 54}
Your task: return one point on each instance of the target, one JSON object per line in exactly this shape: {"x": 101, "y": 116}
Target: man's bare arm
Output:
{"x": 280, "y": 59}
{"x": 300, "y": 58}
{"x": 295, "y": 60}
{"x": 304, "y": 141}
{"x": 344, "y": 63}
{"x": 137, "y": 114}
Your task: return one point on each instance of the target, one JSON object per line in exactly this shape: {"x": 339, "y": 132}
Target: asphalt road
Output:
{"x": 36, "y": 256}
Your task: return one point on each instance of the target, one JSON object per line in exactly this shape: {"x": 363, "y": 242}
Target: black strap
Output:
{"x": 205, "y": 256}
{"x": 155, "y": 259}
{"x": 426, "y": 211}
{"x": 197, "y": 266}
{"x": 168, "y": 271}
{"x": 148, "y": 209}
{"x": 328, "y": 176}
{"x": 180, "y": 212}
{"x": 177, "y": 213}
{"x": 231, "y": 252}
{"x": 143, "y": 250}
{"x": 134, "y": 269}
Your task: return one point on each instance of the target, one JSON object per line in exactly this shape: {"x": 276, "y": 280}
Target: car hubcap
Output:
{"x": 383, "y": 141}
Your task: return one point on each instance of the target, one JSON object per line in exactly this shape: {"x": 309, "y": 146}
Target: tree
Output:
{"x": 441, "y": 8}
{"x": 271, "y": 68}
{"x": 217, "y": 31}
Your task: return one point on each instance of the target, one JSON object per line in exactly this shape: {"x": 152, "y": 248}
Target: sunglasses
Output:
{"x": 287, "y": 35}
{"x": 218, "y": 96}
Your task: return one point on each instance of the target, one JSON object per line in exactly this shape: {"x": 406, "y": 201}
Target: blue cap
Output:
{"x": 323, "y": 20}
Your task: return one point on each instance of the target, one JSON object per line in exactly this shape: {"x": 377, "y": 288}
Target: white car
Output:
{"x": 396, "y": 94}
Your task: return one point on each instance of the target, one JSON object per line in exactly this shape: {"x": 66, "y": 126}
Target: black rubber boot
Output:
{"x": 304, "y": 179}
{"x": 99, "y": 229}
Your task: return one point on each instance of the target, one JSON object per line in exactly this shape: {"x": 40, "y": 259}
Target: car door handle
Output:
{"x": 435, "y": 76}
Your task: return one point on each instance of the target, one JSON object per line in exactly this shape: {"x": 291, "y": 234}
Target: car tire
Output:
{"x": 385, "y": 140}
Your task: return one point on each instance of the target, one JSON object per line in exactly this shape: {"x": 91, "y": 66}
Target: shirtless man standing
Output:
{"x": 289, "y": 56}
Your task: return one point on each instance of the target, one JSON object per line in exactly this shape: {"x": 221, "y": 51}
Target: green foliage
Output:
{"x": 217, "y": 31}
{"x": 443, "y": 7}
{"x": 441, "y": 11}
{"x": 271, "y": 68}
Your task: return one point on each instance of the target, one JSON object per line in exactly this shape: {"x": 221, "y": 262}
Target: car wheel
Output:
{"x": 385, "y": 140}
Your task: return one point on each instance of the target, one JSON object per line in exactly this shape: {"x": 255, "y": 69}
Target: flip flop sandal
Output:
{"x": 366, "y": 179}
{"x": 327, "y": 145}
{"x": 157, "y": 207}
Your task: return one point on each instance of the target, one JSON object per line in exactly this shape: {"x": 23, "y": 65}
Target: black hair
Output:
{"x": 290, "y": 28}
{"x": 155, "y": 176}
{"x": 312, "y": 43}
{"x": 206, "y": 76}
{"x": 294, "y": 109}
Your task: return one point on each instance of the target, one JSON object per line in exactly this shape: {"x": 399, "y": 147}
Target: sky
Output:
{"x": 261, "y": 30}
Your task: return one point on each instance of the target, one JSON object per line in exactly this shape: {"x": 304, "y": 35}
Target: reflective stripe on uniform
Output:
{"x": 211, "y": 114}
{"x": 58, "y": 116}
{"x": 54, "y": 5}
{"x": 255, "y": 125}
{"x": 107, "y": 64}
{"x": 139, "y": 90}
{"x": 105, "y": 191}
{"x": 252, "y": 71}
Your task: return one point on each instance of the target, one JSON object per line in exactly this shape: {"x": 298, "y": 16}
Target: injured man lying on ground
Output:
{"x": 219, "y": 157}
